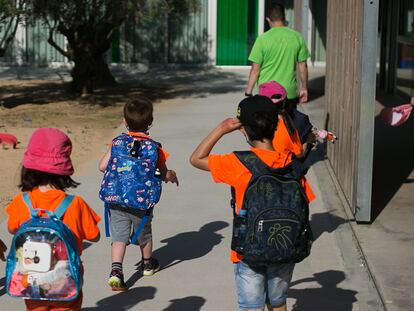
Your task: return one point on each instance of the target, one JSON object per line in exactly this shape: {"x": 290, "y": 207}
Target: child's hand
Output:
{"x": 3, "y": 249}
{"x": 229, "y": 125}
{"x": 171, "y": 176}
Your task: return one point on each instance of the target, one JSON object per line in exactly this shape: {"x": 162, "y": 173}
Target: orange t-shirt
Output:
{"x": 228, "y": 169}
{"x": 162, "y": 154}
{"x": 79, "y": 217}
{"x": 285, "y": 144}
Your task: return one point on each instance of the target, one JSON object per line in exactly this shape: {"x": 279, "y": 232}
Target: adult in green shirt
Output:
{"x": 276, "y": 53}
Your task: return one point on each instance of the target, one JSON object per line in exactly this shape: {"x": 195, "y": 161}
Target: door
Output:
{"x": 236, "y": 30}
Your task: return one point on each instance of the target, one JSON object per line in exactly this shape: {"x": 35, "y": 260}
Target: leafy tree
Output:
{"x": 89, "y": 26}
{"x": 11, "y": 14}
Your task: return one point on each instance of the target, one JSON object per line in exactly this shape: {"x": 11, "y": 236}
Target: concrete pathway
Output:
{"x": 192, "y": 226}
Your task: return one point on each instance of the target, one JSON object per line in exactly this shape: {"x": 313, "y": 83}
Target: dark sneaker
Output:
{"x": 116, "y": 281}
{"x": 150, "y": 267}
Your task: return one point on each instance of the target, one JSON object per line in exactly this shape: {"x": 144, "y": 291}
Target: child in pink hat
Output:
{"x": 297, "y": 123}
{"x": 45, "y": 175}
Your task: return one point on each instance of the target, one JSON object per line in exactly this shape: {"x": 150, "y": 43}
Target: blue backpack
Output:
{"x": 272, "y": 225}
{"x": 130, "y": 178}
{"x": 44, "y": 262}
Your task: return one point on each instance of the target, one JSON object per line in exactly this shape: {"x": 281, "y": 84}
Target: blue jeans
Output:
{"x": 267, "y": 286}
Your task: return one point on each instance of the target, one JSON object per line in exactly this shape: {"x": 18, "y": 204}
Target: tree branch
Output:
{"x": 8, "y": 37}
{"x": 53, "y": 43}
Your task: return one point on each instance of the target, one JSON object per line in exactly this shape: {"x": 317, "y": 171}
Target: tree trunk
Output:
{"x": 90, "y": 72}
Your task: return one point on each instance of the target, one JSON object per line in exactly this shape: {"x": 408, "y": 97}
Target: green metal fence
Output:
{"x": 38, "y": 50}
{"x": 164, "y": 40}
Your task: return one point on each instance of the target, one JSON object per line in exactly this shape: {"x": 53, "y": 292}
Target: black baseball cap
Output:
{"x": 255, "y": 104}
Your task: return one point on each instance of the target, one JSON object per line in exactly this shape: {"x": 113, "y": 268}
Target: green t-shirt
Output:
{"x": 277, "y": 51}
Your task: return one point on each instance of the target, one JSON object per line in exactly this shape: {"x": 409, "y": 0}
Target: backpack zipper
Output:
{"x": 260, "y": 224}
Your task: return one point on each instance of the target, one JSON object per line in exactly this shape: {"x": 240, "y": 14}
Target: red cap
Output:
{"x": 49, "y": 151}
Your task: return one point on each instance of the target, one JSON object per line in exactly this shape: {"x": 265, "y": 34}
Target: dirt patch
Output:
{"x": 89, "y": 122}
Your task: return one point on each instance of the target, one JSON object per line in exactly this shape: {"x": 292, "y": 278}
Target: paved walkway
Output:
{"x": 192, "y": 224}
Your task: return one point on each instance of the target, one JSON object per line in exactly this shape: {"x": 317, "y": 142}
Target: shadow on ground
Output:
{"x": 317, "y": 154}
{"x": 191, "y": 303}
{"x": 156, "y": 84}
{"x": 325, "y": 222}
{"x": 328, "y": 296}
{"x": 185, "y": 246}
{"x": 124, "y": 300}
{"x": 393, "y": 160}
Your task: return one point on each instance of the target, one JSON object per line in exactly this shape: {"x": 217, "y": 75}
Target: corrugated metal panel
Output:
{"x": 319, "y": 11}
{"x": 9, "y": 57}
{"x": 188, "y": 42}
{"x": 343, "y": 82}
{"x": 149, "y": 41}
{"x": 38, "y": 50}
{"x": 142, "y": 43}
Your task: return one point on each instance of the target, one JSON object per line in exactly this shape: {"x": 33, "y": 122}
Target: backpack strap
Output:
{"x": 257, "y": 167}
{"x": 233, "y": 200}
{"x": 252, "y": 162}
{"x": 144, "y": 220}
{"x": 107, "y": 215}
{"x": 60, "y": 210}
{"x": 26, "y": 199}
{"x": 63, "y": 206}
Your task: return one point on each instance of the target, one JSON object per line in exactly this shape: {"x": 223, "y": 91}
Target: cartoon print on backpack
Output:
{"x": 40, "y": 264}
{"x": 131, "y": 176}
{"x": 43, "y": 264}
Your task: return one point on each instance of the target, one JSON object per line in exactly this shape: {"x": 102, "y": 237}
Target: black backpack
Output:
{"x": 272, "y": 225}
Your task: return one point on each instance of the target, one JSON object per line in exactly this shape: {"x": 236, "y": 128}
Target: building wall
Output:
{"x": 184, "y": 42}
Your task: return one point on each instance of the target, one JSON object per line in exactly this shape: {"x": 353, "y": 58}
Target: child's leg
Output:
{"x": 250, "y": 286}
{"x": 278, "y": 281}
{"x": 118, "y": 251}
{"x": 120, "y": 225}
{"x": 146, "y": 251}
{"x": 149, "y": 264}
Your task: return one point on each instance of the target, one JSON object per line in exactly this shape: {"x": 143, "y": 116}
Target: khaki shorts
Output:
{"x": 123, "y": 224}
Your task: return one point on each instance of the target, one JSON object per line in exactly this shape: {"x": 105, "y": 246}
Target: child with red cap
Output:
{"x": 45, "y": 175}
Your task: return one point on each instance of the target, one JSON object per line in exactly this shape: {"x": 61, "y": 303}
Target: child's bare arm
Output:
{"x": 199, "y": 158}
{"x": 168, "y": 175}
{"x": 104, "y": 161}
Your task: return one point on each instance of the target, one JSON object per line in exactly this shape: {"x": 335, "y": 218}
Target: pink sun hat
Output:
{"x": 395, "y": 116}
{"x": 49, "y": 151}
{"x": 272, "y": 88}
